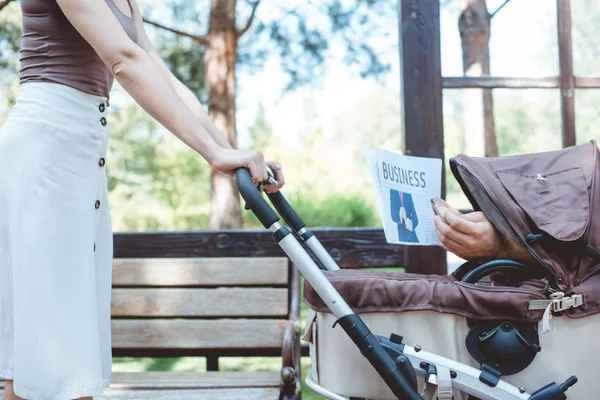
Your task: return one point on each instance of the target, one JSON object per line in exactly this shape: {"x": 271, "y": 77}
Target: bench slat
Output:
{"x": 254, "y": 271}
{"x": 202, "y": 394}
{"x": 197, "y": 334}
{"x": 124, "y": 382}
{"x": 199, "y": 302}
{"x": 193, "y": 380}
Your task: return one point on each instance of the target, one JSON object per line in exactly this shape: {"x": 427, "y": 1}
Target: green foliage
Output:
{"x": 328, "y": 210}
{"x": 320, "y": 180}
{"x": 586, "y": 41}
{"x": 185, "y": 59}
{"x": 10, "y": 41}
{"x": 375, "y": 121}
{"x": 10, "y": 38}
{"x": 261, "y": 133}
{"x": 530, "y": 121}
{"x": 157, "y": 182}
{"x": 302, "y": 36}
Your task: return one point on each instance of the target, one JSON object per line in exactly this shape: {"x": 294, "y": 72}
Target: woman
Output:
{"x": 55, "y": 233}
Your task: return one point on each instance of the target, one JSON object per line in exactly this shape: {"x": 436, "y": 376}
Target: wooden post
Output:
{"x": 421, "y": 104}
{"x": 567, "y": 81}
{"x": 212, "y": 363}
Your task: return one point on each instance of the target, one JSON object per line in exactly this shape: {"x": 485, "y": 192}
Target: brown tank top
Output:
{"x": 53, "y": 51}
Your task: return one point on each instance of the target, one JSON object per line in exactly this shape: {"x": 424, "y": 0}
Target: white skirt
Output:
{"x": 55, "y": 244}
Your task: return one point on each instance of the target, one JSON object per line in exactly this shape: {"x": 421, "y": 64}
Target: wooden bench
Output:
{"x": 207, "y": 307}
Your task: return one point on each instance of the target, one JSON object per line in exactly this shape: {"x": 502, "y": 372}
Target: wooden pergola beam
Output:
{"x": 498, "y": 82}
{"x": 567, "y": 79}
{"x": 587, "y": 82}
{"x": 421, "y": 104}
{"x": 494, "y": 82}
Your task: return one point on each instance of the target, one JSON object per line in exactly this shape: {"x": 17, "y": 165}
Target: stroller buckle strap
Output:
{"x": 567, "y": 302}
{"x": 557, "y": 304}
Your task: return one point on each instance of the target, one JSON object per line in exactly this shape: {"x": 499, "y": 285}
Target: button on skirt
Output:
{"x": 55, "y": 244}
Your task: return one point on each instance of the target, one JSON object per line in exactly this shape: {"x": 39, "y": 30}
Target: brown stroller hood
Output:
{"x": 546, "y": 201}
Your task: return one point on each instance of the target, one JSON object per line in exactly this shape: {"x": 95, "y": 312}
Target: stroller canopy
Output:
{"x": 546, "y": 201}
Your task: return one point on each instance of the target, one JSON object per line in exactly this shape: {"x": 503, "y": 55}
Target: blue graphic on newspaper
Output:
{"x": 404, "y": 187}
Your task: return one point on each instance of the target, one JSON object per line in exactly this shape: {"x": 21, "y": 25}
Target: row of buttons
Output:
{"x": 101, "y": 162}
{"x": 102, "y": 107}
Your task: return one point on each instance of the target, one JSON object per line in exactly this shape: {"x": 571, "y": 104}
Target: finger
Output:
{"x": 456, "y": 236}
{"x": 254, "y": 173}
{"x": 278, "y": 173}
{"x": 271, "y": 188}
{"x": 461, "y": 224}
{"x": 445, "y": 207}
{"x": 448, "y": 244}
{"x": 258, "y": 172}
{"x": 275, "y": 165}
{"x": 262, "y": 165}
{"x": 476, "y": 216}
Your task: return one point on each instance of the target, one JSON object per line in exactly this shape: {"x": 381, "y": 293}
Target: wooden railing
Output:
{"x": 350, "y": 247}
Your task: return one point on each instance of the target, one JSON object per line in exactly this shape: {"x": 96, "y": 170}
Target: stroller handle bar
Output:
{"x": 254, "y": 199}
{"x": 262, "y": 210}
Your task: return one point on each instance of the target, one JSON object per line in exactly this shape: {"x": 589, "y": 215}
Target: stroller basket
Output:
{"x": 409, "y": 371}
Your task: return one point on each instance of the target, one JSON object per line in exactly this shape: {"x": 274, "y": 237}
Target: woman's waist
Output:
{"x": 59, "y": 103}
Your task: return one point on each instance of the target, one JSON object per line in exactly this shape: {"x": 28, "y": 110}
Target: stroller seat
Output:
{"x": 377, "y": 291}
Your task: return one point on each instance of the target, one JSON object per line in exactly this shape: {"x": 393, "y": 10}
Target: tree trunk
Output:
{"x": 221, "y": 55}
{"x": 478, "y": 106}
{"x": 4, "y": 4}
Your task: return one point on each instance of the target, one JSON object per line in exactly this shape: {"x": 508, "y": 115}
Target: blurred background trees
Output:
{"x": 157, "y": 183}
{"x": 298, "y": 34}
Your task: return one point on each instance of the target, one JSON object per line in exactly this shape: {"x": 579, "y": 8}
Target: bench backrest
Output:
{"x": 216, "y": 293}
{"x": 200, "y": 306}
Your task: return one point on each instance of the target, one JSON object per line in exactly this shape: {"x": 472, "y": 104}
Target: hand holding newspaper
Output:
{"x": 404, "y": 189}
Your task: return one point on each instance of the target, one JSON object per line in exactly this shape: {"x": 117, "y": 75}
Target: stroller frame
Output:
{"x": 397, "y": 363}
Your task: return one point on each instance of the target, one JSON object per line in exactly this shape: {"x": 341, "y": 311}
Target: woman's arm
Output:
{"x": 186, "y": 95}
{"x": 139, "y": 75}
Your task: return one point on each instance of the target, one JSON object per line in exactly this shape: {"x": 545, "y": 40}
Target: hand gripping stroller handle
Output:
{"x": 254, "y": 199}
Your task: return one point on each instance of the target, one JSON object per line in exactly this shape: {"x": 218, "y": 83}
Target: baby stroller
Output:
{"x": 483, "y": 332}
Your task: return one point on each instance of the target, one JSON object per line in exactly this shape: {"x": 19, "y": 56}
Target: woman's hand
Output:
{"x": 228, "y": 160}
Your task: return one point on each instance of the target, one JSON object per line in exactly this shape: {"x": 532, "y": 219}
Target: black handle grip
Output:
{"x": 254, "y": 199}
{"x": 474, "y": 275}
{"x": 286, "y": 211}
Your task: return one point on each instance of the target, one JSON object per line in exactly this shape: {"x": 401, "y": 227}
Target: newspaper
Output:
{"x": 404, "y": 187}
